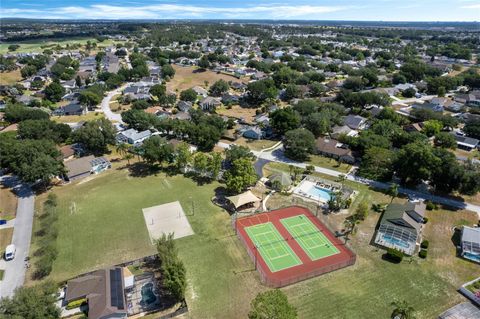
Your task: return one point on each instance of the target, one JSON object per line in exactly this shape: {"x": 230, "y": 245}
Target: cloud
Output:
{"x": 473, "y": 6}
{"x": 172, "y": 11}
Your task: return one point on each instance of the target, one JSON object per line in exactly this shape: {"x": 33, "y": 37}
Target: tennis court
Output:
{"x": 309, "y": 237}
{"x": 273, "y": 248}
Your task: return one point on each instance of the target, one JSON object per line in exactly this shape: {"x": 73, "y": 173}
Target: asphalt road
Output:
{"x": 14, "y": 275}
{"x": 106, "y": 105}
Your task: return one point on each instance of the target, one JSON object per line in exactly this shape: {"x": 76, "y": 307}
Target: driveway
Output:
{"x": 106, "y": 105}
{"x": 14, "y": 275}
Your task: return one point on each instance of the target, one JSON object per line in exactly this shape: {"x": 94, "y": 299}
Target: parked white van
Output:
{"x": 10, "y": 252}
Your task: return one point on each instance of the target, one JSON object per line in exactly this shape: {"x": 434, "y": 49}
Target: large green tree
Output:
{"x": 157, "y": 150}
{"x": 240, "y": 176}
{"x": 96, "y": 136}
{"x": 415, "y": 162}
{"x": 283, "y": 120}
{"x": 299, "y": 144}
{"x": 36, "y": 302}
{"x": 272, "y": 304}
{"x": 54, "y": 92}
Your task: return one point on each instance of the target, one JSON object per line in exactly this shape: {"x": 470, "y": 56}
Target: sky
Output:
{"x": 358, "y": 10}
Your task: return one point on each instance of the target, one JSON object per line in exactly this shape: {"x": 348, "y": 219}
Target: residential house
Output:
{"x": 137, "y": 92}
{"x": 253, "y": 133}
{"x": 355, "y": 122}
{"x": 71, "y": 109}
{"x": 338, "y": 131}
{"x": 401, "y": 227}
{"x": 133, "y": 137}
{"x": 447, "y": 104}
{"x": 470, "y": 243}
{"x": 104, "y": 293}
{"x": 228, "y": 98}
{"x": 238, "y": 86}
{"x": 262, "y": 119}
{"x": 414, "y": 127}
{"x": 68, "y": 152}
{"x": 428, "y": 106}
{"x": 200, "y": 91}
{"x": 468, "y": 99}
{"x": 84, "y": 166}
{"x": 466, "y": 143}
{"x": 209, "y": 103}
{"x": 332, "y": 148}
{"x": 464, "y": 310}
{"x": 184, "y": 106}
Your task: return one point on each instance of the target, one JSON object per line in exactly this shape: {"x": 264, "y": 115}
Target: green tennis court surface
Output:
{"x": 309, "y": 237}
{"x": 272, "y": 247}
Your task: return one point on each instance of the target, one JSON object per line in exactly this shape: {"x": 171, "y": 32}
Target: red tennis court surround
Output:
{"x": 308, "y": 268}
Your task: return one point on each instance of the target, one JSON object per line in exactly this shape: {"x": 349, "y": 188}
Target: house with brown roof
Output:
{"x": 104, "y": 293}
{"x": 332, "y": 148}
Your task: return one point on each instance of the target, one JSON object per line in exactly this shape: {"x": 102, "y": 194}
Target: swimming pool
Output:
{"x": 148, "y": 297}
{"x": 323, "y": 194}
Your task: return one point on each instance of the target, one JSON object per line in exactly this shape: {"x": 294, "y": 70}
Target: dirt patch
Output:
{"x": 238, "y": 112}
{"x": 9, "y": 78}
{"x": 187, "y": 77}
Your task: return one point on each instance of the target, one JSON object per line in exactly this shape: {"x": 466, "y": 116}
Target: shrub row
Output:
{"x": 76, "y": 303}
{"x": 48, "y": 238}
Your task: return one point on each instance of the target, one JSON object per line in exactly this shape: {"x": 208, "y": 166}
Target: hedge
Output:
{"x": 424, "y": 244}
{"x": 76, "y": 303}
{"x": 395, "y": 255}
{"x": 423, "y": 253}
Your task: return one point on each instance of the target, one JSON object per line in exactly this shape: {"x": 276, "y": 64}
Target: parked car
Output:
{"x": 10, "y": 252}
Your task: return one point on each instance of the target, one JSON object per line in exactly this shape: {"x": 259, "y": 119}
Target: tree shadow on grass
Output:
{"x": 142, "y": 169}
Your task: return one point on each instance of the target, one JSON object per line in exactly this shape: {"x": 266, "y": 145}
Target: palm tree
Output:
{"x": 122, "y": 149}
{"x": 393, "y": 191}
{"x": 128, "y": 157}
{"x": 402, "y": 310}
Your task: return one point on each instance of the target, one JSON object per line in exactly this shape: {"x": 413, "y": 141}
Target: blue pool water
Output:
{"x": 396, "y": 241}
{"x": 148, "y": 296}
{"x": 319, "y": 193}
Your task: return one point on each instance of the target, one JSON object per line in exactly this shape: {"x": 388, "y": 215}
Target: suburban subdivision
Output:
{"x": 226, "y": 160}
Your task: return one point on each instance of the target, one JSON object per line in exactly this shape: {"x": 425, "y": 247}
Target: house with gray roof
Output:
{"x": 470, "y": 243}
{"x": 132, "y": 136}
{"x": 209, "y": 103}
{"x": 84, "y": 166}
{"x": 401, "y": 227}
{"x": 466, "y": 143}
{"x": 355, "y": 122}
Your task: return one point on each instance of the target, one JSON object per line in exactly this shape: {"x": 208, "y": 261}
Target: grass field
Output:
{"x": 108, "y": 227}
{"x": 36, "y": 45}
{"x": 10, "y": 78}
{"x": 187, "y": 77}
{"x": 308, "y": 236}
{"x": 273, "y": 248}
{"x": 90, "y": 116}
{"x": 330, "y": 163}
{"x": 256, "y": 145}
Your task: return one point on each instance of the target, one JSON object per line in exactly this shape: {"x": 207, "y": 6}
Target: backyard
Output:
{"x": 90, "y": 116}
{"x": 105, "y": 226}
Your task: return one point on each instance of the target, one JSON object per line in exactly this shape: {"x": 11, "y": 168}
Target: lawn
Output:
{"x": 8, "y": 203}
{"x": 329, "y": 163}
{"x": 256, "y": 145}
{"x": 108, "y": 228}
{"x": 90, "y": 116}
{"x": 187, "y": 77}
{"x": 5, "y": 238}
{"x": 10, "y": 78}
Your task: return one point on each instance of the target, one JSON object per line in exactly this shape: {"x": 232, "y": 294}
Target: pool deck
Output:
{"x": 134, "y": 296}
